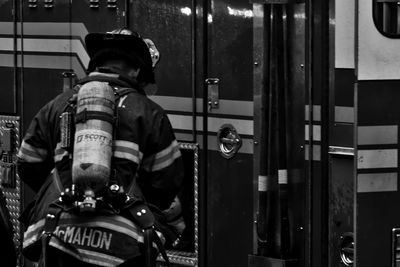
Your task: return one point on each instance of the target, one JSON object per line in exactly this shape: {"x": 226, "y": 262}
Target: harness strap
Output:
{"x": 85, "y": 115}
{"x": 148, "y": 247}
{"x": 100, "y": 78}
{"x": 151, "y": 236}
{"x": 145, "y": 219}
{"x": 50, "y": 225}
{"x": 161, "y": 248}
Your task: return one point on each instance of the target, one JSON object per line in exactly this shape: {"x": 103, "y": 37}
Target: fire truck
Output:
{"x": 286, "y": 112}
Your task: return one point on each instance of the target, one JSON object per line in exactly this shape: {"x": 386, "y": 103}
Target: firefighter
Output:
{"x": 146, "y": 167}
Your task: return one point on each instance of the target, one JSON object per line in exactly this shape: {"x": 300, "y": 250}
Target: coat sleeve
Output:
{"x": 34, "y": 158}
{"x": 161, "y": 173}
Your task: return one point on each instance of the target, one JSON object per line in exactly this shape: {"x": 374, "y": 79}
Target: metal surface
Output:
{"x": 8, "y": 71}
{"x": 296, "y": 99}
{"x": 337, "y": 150}
{"x": 175, "y": 29}
{"x": 378, "y": 56}
{"x": 95, "y": 16}
{"x": 377, "y": 166}
{"x": 182, "y": 257}
{"x": 229, "y": 184}
{"x": 309, "y": 105}
{"x": 395, "y": 257}
{"x": 341, "y": 199}
{"x": 347, "y": 249}
{"x": 112, "y": 4}
{"x": 274, "y": 1}
{"x": 257, "y": 261}
{"x": 48, "y": 3}
{"x": 279, "y": 54}
{"x": 94, "y": 4}
{"x": 213, "y": 93}
{"x": 13, "y": 194}
{"x": 32, "y": 3}
{"x": 229, "y": 141}
{"x": 169, "y": 24}
{"x": 259, "y": 122}
{"x": 344, "y": 33}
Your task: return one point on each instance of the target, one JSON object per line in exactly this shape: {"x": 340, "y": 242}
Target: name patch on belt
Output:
{"x": 84, "y": 236}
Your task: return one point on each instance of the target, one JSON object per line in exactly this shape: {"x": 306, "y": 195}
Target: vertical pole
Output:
{"x": 283, "y": 135}
{"x": 194, "y": 69}
{"x": 204, "y": 176}
{"x": 261, "y": 126}
{"x": 273, "y": 216}
{"x": 309, "y": 154}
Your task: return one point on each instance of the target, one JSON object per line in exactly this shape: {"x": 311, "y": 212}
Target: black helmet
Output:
{"x": 126, "y": 44}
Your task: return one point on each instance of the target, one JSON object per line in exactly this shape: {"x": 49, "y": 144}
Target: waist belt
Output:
{"x": 142, "y": 217}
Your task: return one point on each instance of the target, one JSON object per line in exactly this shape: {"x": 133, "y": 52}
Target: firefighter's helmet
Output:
{"x": 126, "y": 44}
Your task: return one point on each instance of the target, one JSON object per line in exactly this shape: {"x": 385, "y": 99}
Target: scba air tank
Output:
{"x": 91, "y": 165}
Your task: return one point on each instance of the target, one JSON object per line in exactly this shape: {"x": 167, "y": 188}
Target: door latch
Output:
{"x": 228, "y": 140}
{"x": 347, "y": 249}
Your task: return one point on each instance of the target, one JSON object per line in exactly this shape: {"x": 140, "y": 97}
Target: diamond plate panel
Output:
{"x": 12, "y": 193}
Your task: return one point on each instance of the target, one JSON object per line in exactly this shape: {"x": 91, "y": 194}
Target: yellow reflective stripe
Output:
{"x": 87, "y": 256}
{"x": 168, "y": 150}
{"x": 33, "y": 228}
{"x": 31, "y": 235}
{"x": 127, "y": 150}
{"x": 163, "y": 158}
{"x": 100, "y": 258}
{"x": 59, "y": 153}
{"x": 166, "y": 161}
{"x": 30, "y": 153}
{"x": 55, "y": 242}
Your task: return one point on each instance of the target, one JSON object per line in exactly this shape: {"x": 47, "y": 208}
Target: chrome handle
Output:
{"x": 229, "y": 141}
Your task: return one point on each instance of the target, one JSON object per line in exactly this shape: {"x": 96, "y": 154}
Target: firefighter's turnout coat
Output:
{"x": 146, "y": 162}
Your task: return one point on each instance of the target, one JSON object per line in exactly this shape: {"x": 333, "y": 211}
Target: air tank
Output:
{"x": 93, "y": 138}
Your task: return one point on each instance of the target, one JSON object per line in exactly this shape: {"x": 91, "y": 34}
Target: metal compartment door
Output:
{"x": 281, "y": 139}
{"x": 45, "y": 49}
{"x": 341, "y": 139}
{"x": 175, "y": 27}
{"x": 8, "y": 58}
{"x": 92, "y": 16}
{"x": 229, "y": 127}
{"x": 377, "y": 99}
